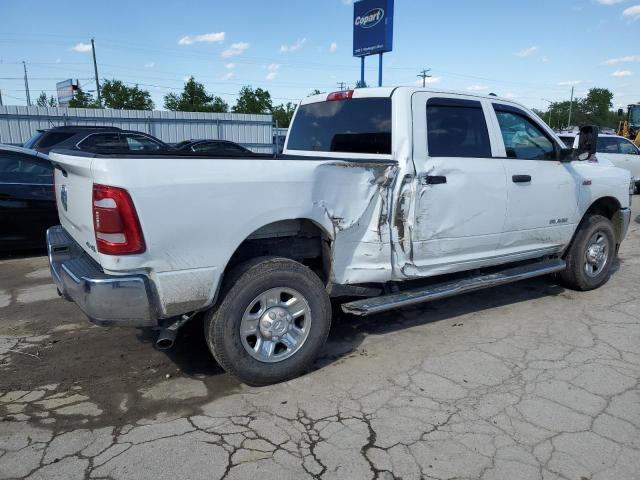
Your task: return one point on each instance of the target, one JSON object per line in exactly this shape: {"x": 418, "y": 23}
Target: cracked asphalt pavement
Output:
{"x": 526, "y": 381}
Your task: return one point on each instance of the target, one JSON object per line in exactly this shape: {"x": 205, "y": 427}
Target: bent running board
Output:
{"x": 369, "y": 306}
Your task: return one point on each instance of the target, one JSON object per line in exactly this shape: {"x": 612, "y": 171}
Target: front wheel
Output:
{"x": 272, "y": 322}
{"x": 590, "y": 255}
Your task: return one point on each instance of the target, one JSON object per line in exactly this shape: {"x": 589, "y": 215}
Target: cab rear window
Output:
{"x": 357, "y": 125}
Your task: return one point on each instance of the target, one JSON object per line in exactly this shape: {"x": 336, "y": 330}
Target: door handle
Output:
{"x": 433, "y": 179}
{"x": 521, "y": 178}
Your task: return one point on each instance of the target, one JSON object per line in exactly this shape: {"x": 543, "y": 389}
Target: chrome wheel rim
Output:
{"x": 275, "y": 325}
{"x": 596, "y": 255}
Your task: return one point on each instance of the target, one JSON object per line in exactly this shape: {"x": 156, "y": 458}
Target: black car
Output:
{"x": 27, "y": 198}
{"x": 102, "y": 140}
{"x": 213, "y": 147}
{"x": 44, "y": 140}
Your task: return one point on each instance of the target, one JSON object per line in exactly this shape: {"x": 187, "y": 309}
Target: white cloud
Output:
{"x": 632, "y": 13}
{"x": 297, "y": 45}
{"x": 186, "y": 78}
{"x": 428, "y": 81}
{"x": 227, "y": 76}
{"x": 273, "y": 71}
{"x": 58, "y": 60}
{"x": 609, "y": 2}
{"x": 229, "y": 66}
{"x": 347, "y": 2}
{"x": 627, "y": 59}
{"x": 205, "y": 37}
{"x": 527, "y": 52}
{"x": 510, "y": 95}
{"x": 569, "y": 83}
{"x": 149, "y": 65}
{"x": 621, "y": 73}
{"x": 81, "y": 47}
{"x": 544, "y": 59}
{"x": 235, "y": 49}
{"x": 333, "y": 47}
{"x": 477, "y": 88}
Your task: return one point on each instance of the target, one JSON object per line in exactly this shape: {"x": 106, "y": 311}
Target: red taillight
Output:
{"x": 342, "y": 95}
{"x": 115, "y": 222}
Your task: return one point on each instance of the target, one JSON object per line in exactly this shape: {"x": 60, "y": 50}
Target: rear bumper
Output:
{"x": 108, "y": 300}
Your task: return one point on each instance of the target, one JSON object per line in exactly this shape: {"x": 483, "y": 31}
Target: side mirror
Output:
{"x": 620, "y": 112}
{"x": 587, "y": 142}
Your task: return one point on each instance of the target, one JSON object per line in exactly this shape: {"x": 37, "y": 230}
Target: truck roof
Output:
{"x": 388, "y": 91}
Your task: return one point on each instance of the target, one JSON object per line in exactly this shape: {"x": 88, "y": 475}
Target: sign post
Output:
{"x": 372, "y": 31}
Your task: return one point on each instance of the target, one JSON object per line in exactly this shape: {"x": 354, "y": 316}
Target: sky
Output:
{"x": 533, "y": 51}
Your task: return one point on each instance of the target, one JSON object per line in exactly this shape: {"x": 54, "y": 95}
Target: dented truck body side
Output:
{"x": 379, "y": 219}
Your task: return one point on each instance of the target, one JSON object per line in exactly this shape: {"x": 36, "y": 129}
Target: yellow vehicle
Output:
{"x": 630, "y": 127}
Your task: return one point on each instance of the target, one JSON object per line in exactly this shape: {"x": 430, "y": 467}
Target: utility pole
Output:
{"x": 424, "y": 74}
{"x": 26, "y": 83}
{"x": 95, "y": 69}
{"x": 570, "y": 107}
{"x": 342, "y": 85}
{"x": 0, "y": 98}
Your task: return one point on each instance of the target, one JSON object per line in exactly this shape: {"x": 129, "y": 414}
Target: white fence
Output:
{"x": 18, "y": 123}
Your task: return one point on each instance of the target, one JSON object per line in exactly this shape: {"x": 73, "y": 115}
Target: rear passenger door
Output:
{"x": 460, "y": 191}
{"x": 542, "y": 192}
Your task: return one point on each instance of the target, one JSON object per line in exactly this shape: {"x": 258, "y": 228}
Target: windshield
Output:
{"x": 33, "y": 140}
{"x": 359, "y": 125}
{"x": 634, "y": 115}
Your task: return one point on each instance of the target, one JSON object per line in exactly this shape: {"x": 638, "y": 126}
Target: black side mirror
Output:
{"x": 587, "y": 142}
{"x": 620, "y": 112}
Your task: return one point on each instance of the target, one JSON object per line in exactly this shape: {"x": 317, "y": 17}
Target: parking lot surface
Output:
{"x": 527, "y": 381}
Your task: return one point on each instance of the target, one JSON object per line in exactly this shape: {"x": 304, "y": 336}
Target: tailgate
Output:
{"x": 74, "y": 189}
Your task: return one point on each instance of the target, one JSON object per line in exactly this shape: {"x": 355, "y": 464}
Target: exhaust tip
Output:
{"x": 166, "y": 339}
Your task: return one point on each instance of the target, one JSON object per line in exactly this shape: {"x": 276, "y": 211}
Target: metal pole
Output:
{"x": 570, "y": 107}
{"x": 362, "y": 71}
{"x": 95, "y": 69}
{"x": 276, "y": 140}
{"x": 26, "y": 84}
{"x": 0, "y": 98}
{"x": 380, "y": 70}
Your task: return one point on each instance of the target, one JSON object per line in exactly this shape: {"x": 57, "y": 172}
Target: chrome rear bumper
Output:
{"x": 108, "y": 300}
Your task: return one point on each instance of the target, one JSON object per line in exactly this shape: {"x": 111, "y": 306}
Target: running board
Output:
{"x": 369, "y": 306}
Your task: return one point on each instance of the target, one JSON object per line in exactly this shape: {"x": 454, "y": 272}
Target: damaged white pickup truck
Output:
{"x": 377, "y": 190}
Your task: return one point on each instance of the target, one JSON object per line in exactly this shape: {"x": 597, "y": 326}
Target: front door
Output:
{"x": 460, "y": 191}
{"x": 542, "y": 192}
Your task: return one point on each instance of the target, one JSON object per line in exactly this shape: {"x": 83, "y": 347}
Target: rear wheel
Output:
{"x": 590, "y": 255}
{"x": 272, "y": 322}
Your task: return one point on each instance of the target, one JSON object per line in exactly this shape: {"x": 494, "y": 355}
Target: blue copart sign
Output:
{"x": 372, "y": 27}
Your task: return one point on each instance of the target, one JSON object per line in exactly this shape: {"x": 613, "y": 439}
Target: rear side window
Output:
{"x": 357, "y": 125}
{"x": 140, "y": 143}
{"x": 17, "y": 168}
{"x": 53, "y": 138}
{"x": 101, "y": 142}
{"x": 457, "y": 128}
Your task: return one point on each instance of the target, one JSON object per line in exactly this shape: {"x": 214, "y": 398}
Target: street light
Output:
{"x": 550, "y": 103}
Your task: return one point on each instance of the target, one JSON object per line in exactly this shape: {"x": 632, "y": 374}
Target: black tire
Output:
{"x": 242, "y": 286}
{"x": 575, "y": 276}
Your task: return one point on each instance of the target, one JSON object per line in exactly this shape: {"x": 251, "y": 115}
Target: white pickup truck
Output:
{"x": 378, "y": 189}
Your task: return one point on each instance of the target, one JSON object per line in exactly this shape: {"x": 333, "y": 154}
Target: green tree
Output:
{"x": 594, "y": 109}
{"x": 282, "y": 114}
{"x": 253, "y": 101}
{"x": 596, "y": 105}
{"x": 44, "y": 101}
{"x": 194, "y": 98}
{"x": 81, "y": 99}
{"x": 115, "y": 94}
{"x": 315, "y": 92}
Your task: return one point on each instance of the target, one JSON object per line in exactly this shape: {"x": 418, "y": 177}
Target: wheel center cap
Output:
{"x": 595, "y": 254}
{"x": 275, "y": 322}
